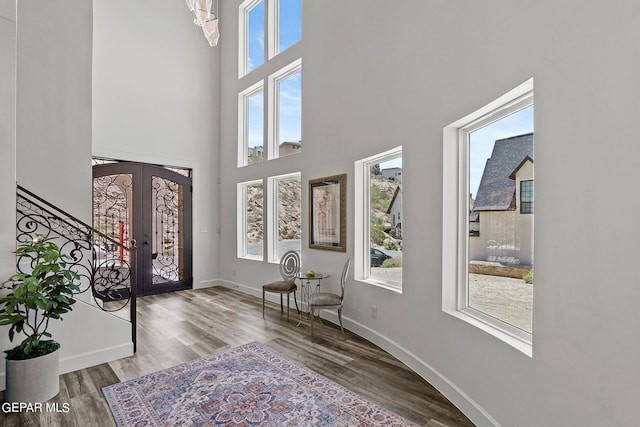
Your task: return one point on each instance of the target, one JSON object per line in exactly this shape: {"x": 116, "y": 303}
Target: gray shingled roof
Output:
{"x": 497, "y": 191}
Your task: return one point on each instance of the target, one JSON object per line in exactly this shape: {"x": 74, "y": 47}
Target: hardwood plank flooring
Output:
{"x": 181, "y": 326}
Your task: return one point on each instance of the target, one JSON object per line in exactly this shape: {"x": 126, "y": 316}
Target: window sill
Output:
{"x": 252, "y": 258}
{"x": 381, "y": 284}
{"x": 521, "y": 343}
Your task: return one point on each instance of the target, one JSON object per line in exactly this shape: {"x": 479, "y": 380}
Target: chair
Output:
{"x": 289, "y": 268}
{"x": 325, "y": 300}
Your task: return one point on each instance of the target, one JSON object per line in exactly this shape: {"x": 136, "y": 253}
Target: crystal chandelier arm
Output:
{"x": 206, "y": 17}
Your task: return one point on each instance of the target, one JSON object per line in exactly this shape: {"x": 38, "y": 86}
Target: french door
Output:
{"x": 152, "y": 205}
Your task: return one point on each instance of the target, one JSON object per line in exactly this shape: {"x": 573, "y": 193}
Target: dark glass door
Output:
{"x": 154, "y": 208}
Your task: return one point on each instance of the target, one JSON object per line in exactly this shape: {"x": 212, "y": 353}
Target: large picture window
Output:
{"x": 379, "y": 219}
{"x": 488, "y": 217}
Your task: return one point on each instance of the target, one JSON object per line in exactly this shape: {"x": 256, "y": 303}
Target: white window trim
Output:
{"x": 273, "y": 110}
{"x": 242, "y": 220}
{"x": 272, "y": 207}
{"x": 362, "y": 256}
{"x": 243, "y": 41}
{"x": 243, "y": 121}
{"x": 455, "y": 222}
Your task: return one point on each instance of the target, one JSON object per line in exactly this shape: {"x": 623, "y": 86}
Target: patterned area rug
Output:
{"x": 249, "y": 385}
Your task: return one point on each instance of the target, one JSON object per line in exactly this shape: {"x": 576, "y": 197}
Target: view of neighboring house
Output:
{"x": 392, "y": 173}
{"x": 288, "y": 148}
{"x": 501, "y": 220}
{"x": 394, "y": 210}
{"x": 474, "y": 223}
{"x": 257, "y": 151}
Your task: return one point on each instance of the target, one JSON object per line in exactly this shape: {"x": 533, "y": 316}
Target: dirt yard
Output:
{"x": 507, "y": 299}
{"x": 504, "y": 298}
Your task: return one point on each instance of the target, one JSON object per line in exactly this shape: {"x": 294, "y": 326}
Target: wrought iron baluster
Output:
{"x": 94, "y": 255}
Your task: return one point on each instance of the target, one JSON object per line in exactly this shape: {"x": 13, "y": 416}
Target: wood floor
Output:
{"x": 181, "y": 326}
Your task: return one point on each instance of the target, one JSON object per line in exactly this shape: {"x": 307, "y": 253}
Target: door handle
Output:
{"x": 146, "y": 242}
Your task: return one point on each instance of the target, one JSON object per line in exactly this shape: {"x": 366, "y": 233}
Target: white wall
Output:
{"x": 379, "y": 74}
{"x": 156, "y": 100}
{"x": 52, "y": 88}
{"x": 54, "y": 102}
{"x": 7, "y": 143}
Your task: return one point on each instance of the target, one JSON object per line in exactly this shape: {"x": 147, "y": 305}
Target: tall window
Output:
{"x": 251, "y": 225}
{"x": 286, "y": 94}
{"x": 488, "y": 250}
{"x": 289, "y": 23}
{"x": 379, "y": 228}
{"x": 269, "y": 125}
{"x": 251, "y": 129}
{"x": 276, "y": 92}
{"x": 285, "y": 219}
{"x": 251, "y": 36}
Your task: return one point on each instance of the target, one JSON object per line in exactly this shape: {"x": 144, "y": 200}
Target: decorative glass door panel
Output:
{"x": 112, "y": 216}
{"x": 112, "y": 211}
{"x": 167, "y": 198}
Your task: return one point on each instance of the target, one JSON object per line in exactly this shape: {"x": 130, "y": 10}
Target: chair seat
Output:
{"x": 324, "y": 299}
{"x": 281, "y": 286}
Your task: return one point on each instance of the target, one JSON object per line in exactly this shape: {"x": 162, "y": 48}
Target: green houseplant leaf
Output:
{"x": 37, "y": 297}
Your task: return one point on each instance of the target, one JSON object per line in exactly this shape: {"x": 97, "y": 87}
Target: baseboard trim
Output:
{"x": 269, "y": 296}
{"x": 209, "y": 283}
{"x": 93, "y": 358}
{"x": 85, "y": 360}
{"x": 458, "y": 397}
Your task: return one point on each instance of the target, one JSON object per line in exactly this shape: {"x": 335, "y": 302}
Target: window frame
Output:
{"x": 268, "y": 76}
{"x": 243, "y": 121}
{"x": 271, "y": 33}
{"x": 245, "y": 9}
{"x": 273, "y": 110}
{"x": 455, "y": 239}
{"x": 528, "y": 203}
{"x": 362, "y": 228}
{"x": 273, "y": 28}
{"x": 242, "y": 222}
{"x": 273, "y": 203}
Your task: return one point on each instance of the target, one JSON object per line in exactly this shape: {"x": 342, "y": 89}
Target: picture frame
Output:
{"x": 328, "y": 213}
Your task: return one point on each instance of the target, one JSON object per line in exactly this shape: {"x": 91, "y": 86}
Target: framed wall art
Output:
{"x": 328, "y": 213}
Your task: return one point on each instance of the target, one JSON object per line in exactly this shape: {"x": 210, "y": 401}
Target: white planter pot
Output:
{"x": 33, "y": 380}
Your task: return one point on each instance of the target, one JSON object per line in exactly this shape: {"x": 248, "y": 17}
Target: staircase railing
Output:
{"x": 105, "y": 265}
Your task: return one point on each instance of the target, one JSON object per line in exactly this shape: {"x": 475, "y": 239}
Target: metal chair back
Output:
{"x": 289, "y": 265}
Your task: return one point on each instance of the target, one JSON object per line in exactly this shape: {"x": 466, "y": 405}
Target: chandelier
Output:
{"x": 206, "y": 17}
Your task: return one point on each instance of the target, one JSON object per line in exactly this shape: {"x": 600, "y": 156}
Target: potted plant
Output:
{"x": 34, "y": 299}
